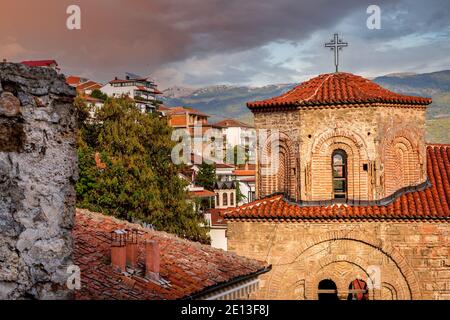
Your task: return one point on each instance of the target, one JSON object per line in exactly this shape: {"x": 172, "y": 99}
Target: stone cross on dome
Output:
{"x": 336, "y": 44}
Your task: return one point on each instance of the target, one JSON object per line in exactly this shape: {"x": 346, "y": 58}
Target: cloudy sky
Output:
{"x": 207, "y": 42}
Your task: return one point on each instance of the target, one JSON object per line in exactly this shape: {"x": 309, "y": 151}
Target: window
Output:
{"x": 339, "y": 167}
{"x": 232, "y": 199}
{"x": 225, "y": 199}
{"x": 217, "y": 200}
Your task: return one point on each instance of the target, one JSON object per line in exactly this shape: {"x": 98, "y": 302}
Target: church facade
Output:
{"x": 352, "y": 203}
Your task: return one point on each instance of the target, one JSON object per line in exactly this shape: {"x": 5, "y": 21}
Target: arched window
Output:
{"x": 327, "y": 290}
{"x": 232, "y": 199}
{"x": 339, "y": 167}
{"x": 357, "y": 290}
{"x": 225, "y": 199}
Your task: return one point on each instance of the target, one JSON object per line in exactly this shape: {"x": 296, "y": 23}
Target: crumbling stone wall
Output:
{"x": 37, "y": 175}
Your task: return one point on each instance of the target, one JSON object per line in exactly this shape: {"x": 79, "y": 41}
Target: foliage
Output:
{"x": 140, "y": 182}
{"x": 97, "y": 94}
{"x": 239, "y": 195}
{"x": 206, "y": 176}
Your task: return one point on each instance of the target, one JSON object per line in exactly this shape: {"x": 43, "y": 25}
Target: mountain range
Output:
{"x": 225, "y": 101}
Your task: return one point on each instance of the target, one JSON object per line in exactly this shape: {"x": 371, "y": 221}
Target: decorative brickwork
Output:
{"x": 391, "y": 229}
{"x": 412, "y": 257}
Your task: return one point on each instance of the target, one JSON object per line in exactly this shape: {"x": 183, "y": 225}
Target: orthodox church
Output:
{"x": 357, "y": 205}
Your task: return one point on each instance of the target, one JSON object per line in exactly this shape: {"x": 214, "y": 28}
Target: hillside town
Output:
{"x": 225, "y": 152}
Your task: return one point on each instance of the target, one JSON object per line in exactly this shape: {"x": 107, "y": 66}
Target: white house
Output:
{"x": 142, "y": 90}
{"x": 236, "y": 133}
{"x": 246, "y": 177}
{"x": 217, "y": 228}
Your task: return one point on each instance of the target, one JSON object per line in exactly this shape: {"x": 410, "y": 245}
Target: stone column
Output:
{"x": 38, "y": 170}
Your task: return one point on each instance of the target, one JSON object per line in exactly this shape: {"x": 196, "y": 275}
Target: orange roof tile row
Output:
{"x": 229, "y": 123}
{"x": 184, "y": 110}
{"x": 201, "y": 194}
{"x": 337, "y": 88}
{"x": 433, "y": 202}
{"x": 238, "y": 172}
{"x": 217, "y": 217}
{"x": 189, "y": 267}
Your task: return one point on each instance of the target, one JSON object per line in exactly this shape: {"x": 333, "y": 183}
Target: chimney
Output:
{"x": 118, "y": 250}
{"x": 152, "y": 260}
{"x": 132, "y": 248}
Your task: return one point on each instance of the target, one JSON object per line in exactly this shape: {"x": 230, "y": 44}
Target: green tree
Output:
{"x": 139, "y": 180}
{"x": 239, "y": 195}
{"x": 97, "y": 94}
{"x": 206, "y": 176}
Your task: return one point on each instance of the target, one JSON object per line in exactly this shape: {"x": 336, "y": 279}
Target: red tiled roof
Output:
{"x": 91, "y": 99}
{"x": 244, "y": 172}
{"x": 73, "y": 80}
{"x": 223, "y": 165}
{"x": 201, "y": 194}
{"x": 184, "y": 110}
{"x": 189, "y": 267}
{"x": 431, "y": 203}
{"x": 338, "y": 88}
{"x": 39, "y": 63}
{"x": 88, "y": 85}
{"x": 217, "y": 217}
{"x": 231, "y": 123}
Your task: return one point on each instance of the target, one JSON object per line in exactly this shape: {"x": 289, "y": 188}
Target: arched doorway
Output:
{"x": 358, "y": 290}
{"x": 327, "y": 290}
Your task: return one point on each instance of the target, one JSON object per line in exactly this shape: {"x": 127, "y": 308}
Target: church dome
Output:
{"x": 337, "y": 88}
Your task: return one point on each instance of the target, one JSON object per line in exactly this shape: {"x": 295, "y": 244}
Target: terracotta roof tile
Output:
{"x": 189, "y": 267}
{"x": 337, "y": 88}
{"x": 39, "y": 63}
{"x": 432, "y": 202}
{"x": 227, "y": 123}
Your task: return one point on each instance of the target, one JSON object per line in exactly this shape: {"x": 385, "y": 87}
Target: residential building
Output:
{"x": 237, "y": 133}
{"x": 246, "y": 177}
{"x": 217, "y": 228}
{"x": 142, "y": 90}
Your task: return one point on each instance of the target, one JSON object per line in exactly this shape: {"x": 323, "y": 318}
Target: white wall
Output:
{"x": 112, "y": 91}
{"x": 218, "y": 238}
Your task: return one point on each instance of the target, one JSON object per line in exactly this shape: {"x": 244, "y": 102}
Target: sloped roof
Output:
{"x": 228, "y": 123}
{"x": 338, "y": 88}
{"x": 39, "y": 63}
{"x": 73, "y": 80}
{"x": 89, "y": 85}
{"x": 184, "y": 110}
{"x": 189, "y": 267}
{"x": 430, "y": 203}
{"x": 217, "y": 217}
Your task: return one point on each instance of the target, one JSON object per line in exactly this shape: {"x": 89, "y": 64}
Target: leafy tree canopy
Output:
{"x": 137, "y": 179}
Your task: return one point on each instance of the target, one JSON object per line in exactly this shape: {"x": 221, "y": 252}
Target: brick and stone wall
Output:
{"x": 37, "y": 174}
{"x": 413, "y": 258}
{"x": 384, "y": 144}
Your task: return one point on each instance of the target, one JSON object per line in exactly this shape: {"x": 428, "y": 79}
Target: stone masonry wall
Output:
{"x": 412, "y": 257}
{"x": 37, "y": 174}
{"x": 384, "y": 144}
